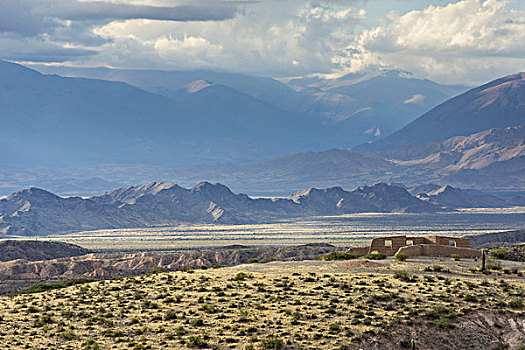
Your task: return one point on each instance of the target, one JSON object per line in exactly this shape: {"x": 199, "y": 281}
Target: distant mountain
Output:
{"x": 492, "y": 159}
{"x": 48, "y": 120}
{"x": 424, "y": 188}
{"x": 169, "y": 82}
{"x": 475, "y": 151}
{"x": 358, "y": 107}
{"x": 34, "y": 211}
{"x": 282, "y": 175}
{"x": 498, "y": 104}
{"x": 450, "y": 197}
{"x": 368, "y": 106}
{"x": 489, "y": 160}
{"x": 379, "y": 197}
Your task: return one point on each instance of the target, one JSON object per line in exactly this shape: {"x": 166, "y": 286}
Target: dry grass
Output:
{"x": 269, "y": 306}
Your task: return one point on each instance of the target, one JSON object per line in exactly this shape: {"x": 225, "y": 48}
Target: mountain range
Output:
{"x": 243, "y": 131}
{"x": 112, "y": 122}
{"x": 354, "y": 108}
{"x": 35, "y": 211}
{"x": 492, "y": 160}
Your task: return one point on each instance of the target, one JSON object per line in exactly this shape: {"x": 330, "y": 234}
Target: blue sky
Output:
{"x": 462, "y": 41}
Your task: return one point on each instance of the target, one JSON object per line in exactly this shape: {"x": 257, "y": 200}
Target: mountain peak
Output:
{"x": 33, "y": 192}
{"x": 397, "y": 73}
{"x": 216, "y": 189}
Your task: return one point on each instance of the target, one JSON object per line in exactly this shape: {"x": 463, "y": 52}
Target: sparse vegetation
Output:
{"x": 334, "y": 255}
{"x": 374, "y": 256}
{"x": 319, "y": 306}
{"x": 499, "y": 253}
{"x": 401, "y": 256}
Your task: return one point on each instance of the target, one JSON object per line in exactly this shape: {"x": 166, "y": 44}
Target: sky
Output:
{"x": 453, "y": 42}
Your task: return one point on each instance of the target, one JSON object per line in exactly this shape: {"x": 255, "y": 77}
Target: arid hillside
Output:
{"x": 295, "y": 305}
{"x": 38, "y": 250}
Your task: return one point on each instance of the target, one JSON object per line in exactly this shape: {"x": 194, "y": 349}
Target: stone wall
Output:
{"x": 439, "y": 251}
{"x": 446, "y": 241}
{"x": 412, "y": 250}
{"x": 380, "y": 244}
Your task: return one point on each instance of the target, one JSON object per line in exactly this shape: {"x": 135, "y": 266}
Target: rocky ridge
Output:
{"x": 35, "y": 211}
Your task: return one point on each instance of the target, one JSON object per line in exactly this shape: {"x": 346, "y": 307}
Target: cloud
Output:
{"x": 28, "y": 49}
{"x": 64, "y": 29}
{"x": 100, "y": 10}
{"x": 293, "y": 38}
{"x": 465, "y": 41}
{"x": 458, "y": 42}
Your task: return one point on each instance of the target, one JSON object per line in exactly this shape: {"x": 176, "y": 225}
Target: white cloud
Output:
{"x": 459, "y": 42}
{"x": 466, "y": 41}
{"x": 289, "y": 38}
{"x": 61, "y": 30}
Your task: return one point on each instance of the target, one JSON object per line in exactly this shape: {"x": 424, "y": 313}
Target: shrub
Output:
{"x": 91, "y": 345}
{"x": 195, "y": 341}
{"x": 403, "y": 276}
{"x": 375, "y": 256}
{"x": 333, "y": 255}
{"x": 442, "y": 323}
{"x": 272, "y": 342}
{"x": 334, "y": 327}
{"x": 470, "y": 298}
{"x": 516, "y": 303}
{"x": 170, "y": 315}
{"x": 499, "y": 253}
{"x": 401, "y": 256}
{"x": 240, "y": 276}
{"x": 456, "y": 257}
{"x": 198, "y": 322}
{"x": 436, "y": 268}
{"x": 253, "y": 261}
{"x": 42, "y": 287}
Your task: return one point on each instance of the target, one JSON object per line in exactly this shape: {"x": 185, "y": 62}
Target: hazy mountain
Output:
{"x": 489, "y": 159}
{"x": 35, "y": 211}
{"x": 494, "y": 158}
{"x": 168, "y": 83}
{"x": 475, "y": 151}
{"x": 368, "y": 106}
{"x": 448, "y": 196}
{"x": 379, "y": 197}
{"x": 359, "y": 108}
{"x": 50, "y": 120}
{"x": 282, "y": 175}
{"x": 498, "y": 104}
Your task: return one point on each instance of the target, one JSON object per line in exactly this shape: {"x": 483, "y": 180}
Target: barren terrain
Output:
{"x": 297, "y": 305}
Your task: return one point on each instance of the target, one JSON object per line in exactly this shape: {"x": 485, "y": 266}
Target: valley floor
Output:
{"x": 353, "y": 304}
{"x": 341, "y": 230}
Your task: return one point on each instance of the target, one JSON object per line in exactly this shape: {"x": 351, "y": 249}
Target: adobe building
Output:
{"x": 437, "y": 246}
